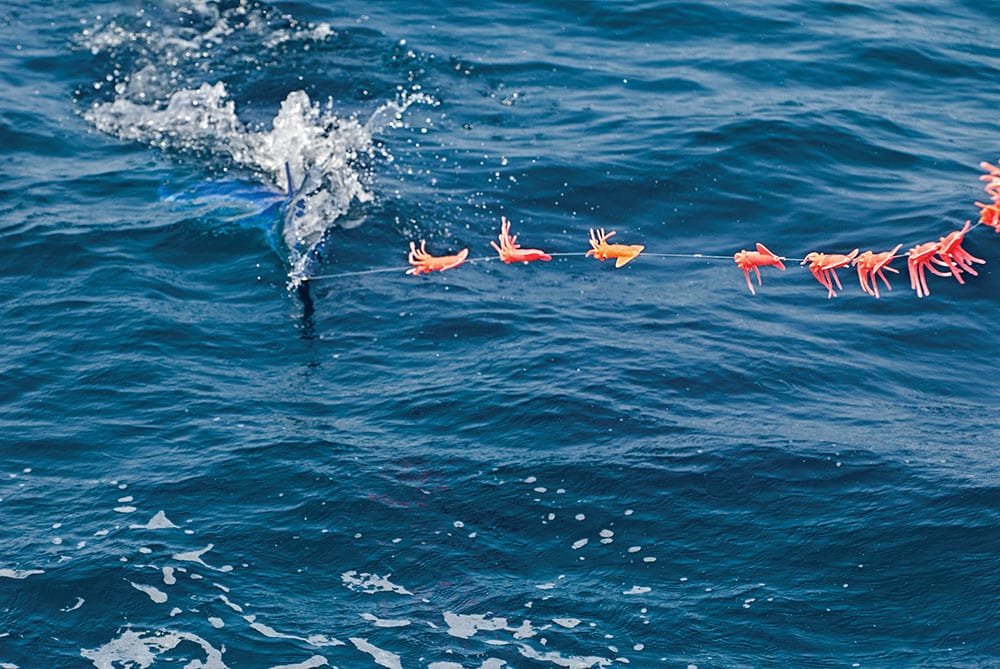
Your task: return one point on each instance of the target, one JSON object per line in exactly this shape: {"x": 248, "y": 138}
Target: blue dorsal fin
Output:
{"x": 288, "y": 179}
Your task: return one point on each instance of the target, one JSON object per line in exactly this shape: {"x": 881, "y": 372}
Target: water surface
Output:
{"x": 558, "y": 464}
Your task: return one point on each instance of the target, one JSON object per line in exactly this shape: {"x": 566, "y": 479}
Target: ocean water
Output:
{"x": 236, "y": 434}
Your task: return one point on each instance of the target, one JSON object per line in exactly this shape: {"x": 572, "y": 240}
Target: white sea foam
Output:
{"x": 489, "y": 663}
{"x": 19, "y": 573}
{"x": 155, "y": 594}
{"x": 559, "y": 660}
{"x": 317, "y": 640}
{"x": 637, "y": 590}
{"x": 195, "y": 556}
{"x": 79, "y": 602}
{"x": 233, "y": 606}
{"x": 382, "y": 622}
{"x": 383, "y": 658}
{"x": 158, "y": 522}
{"x": 141, "y": 650}
{"x": 312, "y": 663}
{"x": 371, "y": 583}
{"x": 568, "y": 623}
{"x": 465, "y": 626}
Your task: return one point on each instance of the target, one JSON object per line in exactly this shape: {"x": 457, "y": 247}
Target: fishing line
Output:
{"x": 490, "y": 259}
{"x": 947, "y": 252}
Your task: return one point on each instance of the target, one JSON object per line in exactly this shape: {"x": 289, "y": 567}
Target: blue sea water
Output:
{"x": 555, "y": 464}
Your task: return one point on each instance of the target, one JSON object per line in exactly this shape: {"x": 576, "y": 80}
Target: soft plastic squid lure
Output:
{"x": 752, "y": 260}
{"x": 424, "y": 262}
{"x": 871, "y": 265}
{"x": 990, "y": 214}
{"x": 945, "y": 252}
{"x": 510, "y": 251}
{"x": 622, "y": 253}
{"x": 824, "y": 266}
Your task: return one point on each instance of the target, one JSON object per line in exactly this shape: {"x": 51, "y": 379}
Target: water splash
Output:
{"x": 163, "y": 95}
